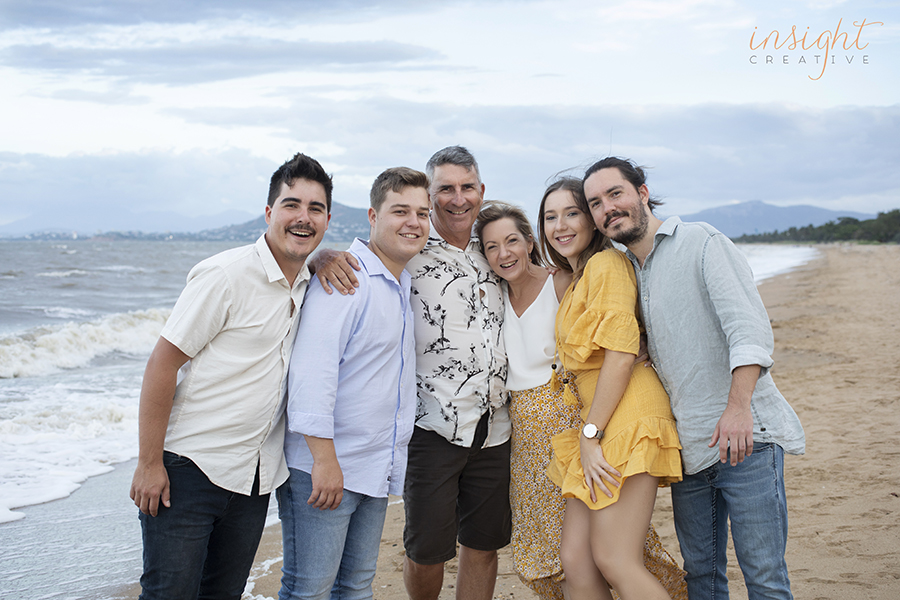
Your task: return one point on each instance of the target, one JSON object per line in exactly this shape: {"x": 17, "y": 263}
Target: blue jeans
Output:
{"x": 328, "y": 553}
{"x": 203, "y": 545}
{"x": 751, "y": 495}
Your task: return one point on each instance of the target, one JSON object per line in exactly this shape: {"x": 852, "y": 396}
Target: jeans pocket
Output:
{"x": 170, "y": 459}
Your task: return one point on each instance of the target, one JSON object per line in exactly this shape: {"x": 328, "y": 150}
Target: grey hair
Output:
{"x": 452, "y": 155}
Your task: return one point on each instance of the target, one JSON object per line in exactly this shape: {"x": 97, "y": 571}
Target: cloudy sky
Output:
{"x": 113, "y": 108}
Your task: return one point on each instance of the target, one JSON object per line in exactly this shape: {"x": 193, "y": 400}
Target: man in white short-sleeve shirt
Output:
{"x": 211, "y": 409}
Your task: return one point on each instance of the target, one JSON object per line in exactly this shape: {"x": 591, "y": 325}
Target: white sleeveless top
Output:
{"x": 530, "y": 339}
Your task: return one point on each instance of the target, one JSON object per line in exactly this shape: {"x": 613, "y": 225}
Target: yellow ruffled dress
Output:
{"x": 640, "y": 437}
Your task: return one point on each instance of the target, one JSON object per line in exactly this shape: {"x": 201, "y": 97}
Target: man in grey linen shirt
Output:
{"x": 711, "y": 343}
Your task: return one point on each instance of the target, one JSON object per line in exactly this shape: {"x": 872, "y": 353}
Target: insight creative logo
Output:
{"x": 811, "y": 48}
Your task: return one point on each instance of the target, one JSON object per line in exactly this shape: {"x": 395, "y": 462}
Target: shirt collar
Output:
{"x": 666, "y": 229}
{"x": 668, "y": 226}
{"x": 273, "y": 271}
{"x": 435, "y": 239}
{"x": 371, "y": 263}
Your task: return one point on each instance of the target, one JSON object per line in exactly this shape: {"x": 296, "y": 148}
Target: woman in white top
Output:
{"x": 531, "y": 298}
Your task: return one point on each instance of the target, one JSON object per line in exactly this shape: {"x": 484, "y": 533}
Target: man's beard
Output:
{"x": 636, "y": 232}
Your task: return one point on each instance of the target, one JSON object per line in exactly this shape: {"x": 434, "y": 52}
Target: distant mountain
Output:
{"x": 346, "y": 223}
{"x": 756, "y": 216}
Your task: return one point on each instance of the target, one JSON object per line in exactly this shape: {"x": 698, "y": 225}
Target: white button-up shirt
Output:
{"x": 460, "y": 356}
{"x": 353, "y": 379}
{"x": 236, "y": 319}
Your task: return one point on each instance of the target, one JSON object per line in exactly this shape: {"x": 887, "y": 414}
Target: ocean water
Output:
{"x": 77, "y": 322}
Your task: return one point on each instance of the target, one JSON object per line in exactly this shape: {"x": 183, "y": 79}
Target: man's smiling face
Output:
{"x": 456, "y": 196}
{"x": 297, "y": 222}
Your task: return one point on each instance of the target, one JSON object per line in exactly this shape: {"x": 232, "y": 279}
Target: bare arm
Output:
{"x": 561, "y": 281}
{"x": 643, "y": 353}
{"x": 615, "y": 374}
{"x": 327, "y": 477}
{"x": 335, "y": 268}
{"x": 735, "y": 426}
{"x": 150, "y": 484}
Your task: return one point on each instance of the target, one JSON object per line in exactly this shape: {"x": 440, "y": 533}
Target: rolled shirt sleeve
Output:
{"x": 326, "y": 323}
{"x": 738, "y": 306}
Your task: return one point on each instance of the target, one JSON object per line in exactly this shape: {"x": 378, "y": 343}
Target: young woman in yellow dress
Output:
{"x": 609, "y": 467}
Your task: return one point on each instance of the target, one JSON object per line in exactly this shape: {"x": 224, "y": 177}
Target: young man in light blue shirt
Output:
{"x": 711, "y": 343}
{"x": 351, "y": 404}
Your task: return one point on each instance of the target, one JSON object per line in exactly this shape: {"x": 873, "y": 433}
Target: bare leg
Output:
{"x": 617, "y": 535}
{"x": 477, "y": 574}
{"x": 423, "y": 582}
{"x": 583, "y": 579}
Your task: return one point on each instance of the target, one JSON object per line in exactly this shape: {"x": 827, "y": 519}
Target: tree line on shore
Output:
{"x": 884, "y": 228}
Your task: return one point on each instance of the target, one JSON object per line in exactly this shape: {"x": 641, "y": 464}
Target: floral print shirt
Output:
{"x": 460, "y": 357}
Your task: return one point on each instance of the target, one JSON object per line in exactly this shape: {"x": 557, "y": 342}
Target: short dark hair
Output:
{"x": 495, "y": 210}
{"x": 452, "y": 155}
{"x": 632, "y": 173}
{"x": 395, "y": 179}
{"x": 300, "y": 167}
{"x": 598, "y": 241}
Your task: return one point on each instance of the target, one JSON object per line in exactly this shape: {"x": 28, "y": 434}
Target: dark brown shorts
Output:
{"x": 454, "y": 491}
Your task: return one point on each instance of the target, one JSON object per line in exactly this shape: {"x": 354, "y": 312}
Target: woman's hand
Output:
{"x": 595, "y": 467}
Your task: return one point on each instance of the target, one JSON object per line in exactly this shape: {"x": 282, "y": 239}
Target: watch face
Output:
{"x": 590, "y": 430}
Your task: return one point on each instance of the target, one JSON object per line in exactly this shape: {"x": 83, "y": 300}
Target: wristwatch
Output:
{"x": 590, "y": 431}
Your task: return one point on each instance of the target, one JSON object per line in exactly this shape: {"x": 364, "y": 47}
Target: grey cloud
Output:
{"x": 91, "y": 193}
{"x": 703, "y": 155}
{"x": 68, "y": 13}
{"x": 212, "y": 61}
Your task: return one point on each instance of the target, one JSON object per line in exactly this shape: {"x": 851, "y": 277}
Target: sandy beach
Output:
{"x": 837, "y": 360}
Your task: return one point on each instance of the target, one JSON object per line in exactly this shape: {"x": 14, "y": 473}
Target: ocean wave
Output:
{"x": 64, "y": 312}
{"x": 70, "y": 273}
{"x": 122, "y": 269}
{"x": 49, "y": 349}
{"x": 768, "y": 260}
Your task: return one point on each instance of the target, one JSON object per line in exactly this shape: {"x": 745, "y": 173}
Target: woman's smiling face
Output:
{"x": 567, "y": 229}
{"x": 506, "y": 249}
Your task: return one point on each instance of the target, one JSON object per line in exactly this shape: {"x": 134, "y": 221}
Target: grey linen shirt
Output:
{"x": 704, "y": 318}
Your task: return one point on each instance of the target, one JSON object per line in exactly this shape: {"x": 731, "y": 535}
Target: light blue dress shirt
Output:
{"x": 704, "y": 318}
{"x": 352, "y": 378}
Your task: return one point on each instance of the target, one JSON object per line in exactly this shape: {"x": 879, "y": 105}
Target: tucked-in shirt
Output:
{"x": 352, "y": 378}
{"x": 530, "y": 339}
{"x": 460, "y": 357}
{"x": 236, "y": 319}
{"x": 704, "y": 318}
